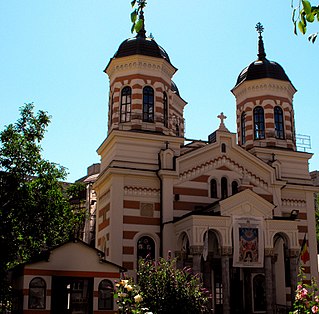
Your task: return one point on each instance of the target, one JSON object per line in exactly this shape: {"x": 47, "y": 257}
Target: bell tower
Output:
{"x": 143, "y": 96}
{"x": 264, "y": 103}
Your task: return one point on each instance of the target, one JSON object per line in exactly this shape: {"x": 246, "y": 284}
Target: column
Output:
{"x": 293, "y": 254}
{"x": 226, "y": 252}
{"x": 268, "y": 280}
{"x": 196, "y": 251}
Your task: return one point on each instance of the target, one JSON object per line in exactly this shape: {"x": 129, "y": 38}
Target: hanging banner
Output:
{"x": 248, "y": 242}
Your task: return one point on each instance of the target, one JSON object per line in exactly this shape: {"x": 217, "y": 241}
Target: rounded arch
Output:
{"x": 37, "y": 293}
{"x": 105, "y": 295}
{"x": 281, "y": 244}
{"x": 213, "y": 233}
{"x": 224, "y": 187}
{"x": 125, "y": 103}
{"x": 141, "y": 235}
{"x": 148, "y": 104}
{"x": 281, "y": 235}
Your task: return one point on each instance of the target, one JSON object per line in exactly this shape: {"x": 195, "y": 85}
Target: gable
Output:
{"x": 74, "y": 256}
{"x": 206, "y": 160}
{"x": 246, "y": 203}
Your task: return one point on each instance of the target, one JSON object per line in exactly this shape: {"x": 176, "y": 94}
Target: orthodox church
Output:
{"x": 236, "y": 208}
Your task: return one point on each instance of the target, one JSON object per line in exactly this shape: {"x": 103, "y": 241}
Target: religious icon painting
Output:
{"x": 248, "y": 242}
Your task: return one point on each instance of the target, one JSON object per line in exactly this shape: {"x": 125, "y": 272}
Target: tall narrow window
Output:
{"x": 213, "y": 188}
{"x": 243, "y": 128}
{"x": 279, "y": 123}
{"x": 259, "y": 123}
{"x": 111, "y": 108}
{"x": 145, "y": 248}
{"x": 148, "y": 104}
{"x": 165, "y": 109}
{"x": 224, "y": 187}
{"x": 125, "y": 111}
{"x": 234, "y": 187}
{"x": 105, "y": 295}
{"x": 37, "y": 293}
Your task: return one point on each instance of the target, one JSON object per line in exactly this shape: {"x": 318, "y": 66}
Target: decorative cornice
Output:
{"x": 140, "y": 191}
{"x": 294, "y": 203}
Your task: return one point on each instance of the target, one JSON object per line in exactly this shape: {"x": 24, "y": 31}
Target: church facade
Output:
{"x": 236, "y": 208}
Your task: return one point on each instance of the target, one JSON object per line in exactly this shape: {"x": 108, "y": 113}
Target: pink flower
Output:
{"x": 315, "y": 309}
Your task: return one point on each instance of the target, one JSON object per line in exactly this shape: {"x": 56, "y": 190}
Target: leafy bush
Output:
{"x": 306, "y": 298}
{"x": 167, "y": 289}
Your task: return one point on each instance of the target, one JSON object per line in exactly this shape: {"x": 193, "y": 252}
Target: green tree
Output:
{"x": 34, "y": 209}
{"x": 304, "y": 12}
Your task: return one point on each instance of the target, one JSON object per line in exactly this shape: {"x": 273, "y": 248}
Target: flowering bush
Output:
{"x": 167, "y": 289}
{"x": 162, "y": 289}
{"x": 130, "y": 298}
{"x": 306, "y": 298}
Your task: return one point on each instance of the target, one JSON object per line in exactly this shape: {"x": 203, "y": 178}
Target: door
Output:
{"x": 72, "y": 295}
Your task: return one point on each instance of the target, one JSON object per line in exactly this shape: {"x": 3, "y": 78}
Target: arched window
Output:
{"x": 37, "y": 293}
{"x": 145, "y": 248}
{"x": 243, "y": 128}
{"x": 148, "y": 104}
{"x": 234, "y": 187}
{"x": 125, "y": 110}
{"x": 223, "y": 148}
{"x": 279, "y": 123}
{"x": 259, "y": 123}
{"x": 165, "y": 109}
{"x": 111, "y": 108}
{"x": 224, "y": 187}
{"x": 213, "y": 188}
{"x": 105, "y": 295}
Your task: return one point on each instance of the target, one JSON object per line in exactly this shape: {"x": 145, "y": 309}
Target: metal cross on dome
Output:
{"x": 259, "y": 28}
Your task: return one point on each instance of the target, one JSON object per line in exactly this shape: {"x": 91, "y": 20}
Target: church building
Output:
{"x": 236, "y": 208}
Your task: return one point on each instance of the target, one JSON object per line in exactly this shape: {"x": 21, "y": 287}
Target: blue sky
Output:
{"x": 53, "y": 53}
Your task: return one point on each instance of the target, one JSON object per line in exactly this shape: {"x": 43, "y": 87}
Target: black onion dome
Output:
{"x": 262, "y": 69}
{"x": 141, "y": 46}
{"x": 174, "y": 88}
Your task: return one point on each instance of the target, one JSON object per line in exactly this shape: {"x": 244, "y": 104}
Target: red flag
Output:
{"x": 304, "y": 254}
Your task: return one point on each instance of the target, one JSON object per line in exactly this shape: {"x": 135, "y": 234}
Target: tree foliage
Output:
{"x": 303, "y": 14}
{"x": 34, "y": 209}
{"x": 136, "y": 17}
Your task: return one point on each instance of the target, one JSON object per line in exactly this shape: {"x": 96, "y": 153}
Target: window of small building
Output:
{"x": 224, "y": 187}
{"x": 37, "y": 293}
{"x": 259, "y": 123}
{"x": 145, "y": 248}
{"x": 234, "y": 187}
{"x": 126, "y": 99}
{"x": 279, "y": 123}
{"x": 105, "y": 295}
{"x": 243, "y": 128}
{"x": 165, "y": 109}
{"x": 213, "y": 188}
{"x": 148, "y": 104}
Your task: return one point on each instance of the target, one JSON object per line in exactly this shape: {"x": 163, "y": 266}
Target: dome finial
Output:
{"x": 142, "y": 31}
{"x": 261, "y": 49}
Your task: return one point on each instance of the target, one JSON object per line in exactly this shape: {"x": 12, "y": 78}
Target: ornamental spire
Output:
{"x": 141, "y": 33}
{"x": 261, "y": 50}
